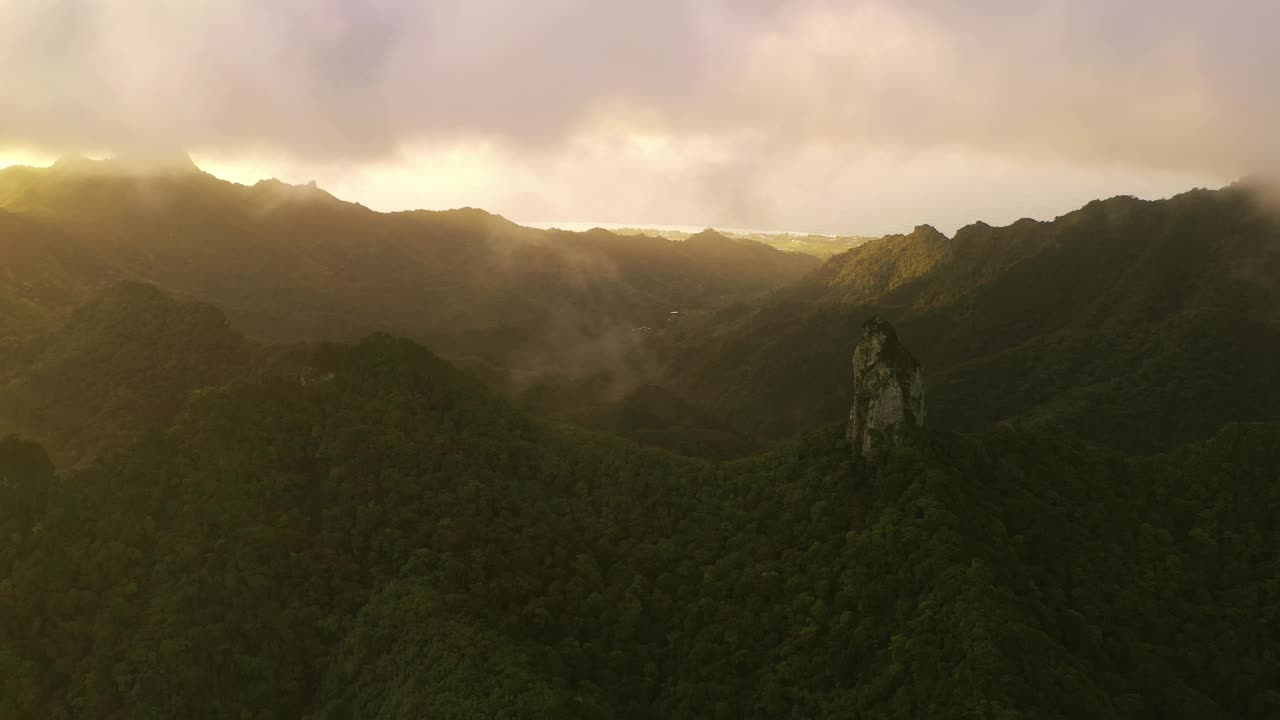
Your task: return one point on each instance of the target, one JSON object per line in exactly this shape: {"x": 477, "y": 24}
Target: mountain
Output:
{"x": 1136, "y": 324}
{"x": 387, "y": 538}
{"x": 293, "y": 263}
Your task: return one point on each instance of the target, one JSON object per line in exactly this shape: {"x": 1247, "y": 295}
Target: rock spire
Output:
{"x": 888, "y": 388}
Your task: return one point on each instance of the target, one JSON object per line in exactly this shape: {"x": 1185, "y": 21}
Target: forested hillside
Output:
{"x": 1136, "y": 324}
{"x": 387, "y": 539}
{"x": 118, "y": 368}
{"x": 44, "y": 273}
{"x": 293, "y": 263}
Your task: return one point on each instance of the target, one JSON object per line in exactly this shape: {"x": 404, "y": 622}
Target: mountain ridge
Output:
{"x": 293, "y": 263}
{"x": 594, "y": 326}
{"x": 1007, "y": 319}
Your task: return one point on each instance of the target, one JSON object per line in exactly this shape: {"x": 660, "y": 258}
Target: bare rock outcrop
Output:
{"x": 888, "y": 388}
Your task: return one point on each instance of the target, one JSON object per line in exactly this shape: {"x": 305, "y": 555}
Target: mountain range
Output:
{"x": 618, "y": 484}
{"x": 1120, "y": 322}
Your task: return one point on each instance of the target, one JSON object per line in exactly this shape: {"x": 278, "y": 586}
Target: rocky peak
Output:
{"x": 888, "y": 387}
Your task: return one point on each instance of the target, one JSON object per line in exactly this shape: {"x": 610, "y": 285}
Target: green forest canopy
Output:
{"x": 390, "y": 540}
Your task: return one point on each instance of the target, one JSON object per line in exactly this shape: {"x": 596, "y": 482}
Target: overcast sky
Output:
{"x": 832, "y": 116}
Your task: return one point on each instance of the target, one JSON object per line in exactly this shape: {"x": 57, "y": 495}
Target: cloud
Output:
{"x": 1170, "y": 85}
{"x": 746, "y": 112}
{"x": 336, "y": 78}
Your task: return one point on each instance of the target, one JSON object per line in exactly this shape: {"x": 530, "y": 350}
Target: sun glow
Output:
{"x": 22, "y": 157}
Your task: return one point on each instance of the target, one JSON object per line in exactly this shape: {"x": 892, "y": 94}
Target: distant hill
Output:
{"x": 821, "y": 246}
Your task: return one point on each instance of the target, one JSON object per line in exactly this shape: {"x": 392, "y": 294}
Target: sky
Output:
{"x": 854, "y": 117}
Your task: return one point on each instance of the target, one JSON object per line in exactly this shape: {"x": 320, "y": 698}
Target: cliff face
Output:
{"x": 888, "y": 387}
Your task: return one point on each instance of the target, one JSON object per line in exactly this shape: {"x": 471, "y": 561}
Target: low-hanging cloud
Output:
{"x": 760, "y": 112}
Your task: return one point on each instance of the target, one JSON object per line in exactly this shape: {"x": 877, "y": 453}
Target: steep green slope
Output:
{"x": 389, "y": 540}
{"x": 116, "y": 369}
{"x": 873, "y": 269}
{"x": 1136, "y": 324}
